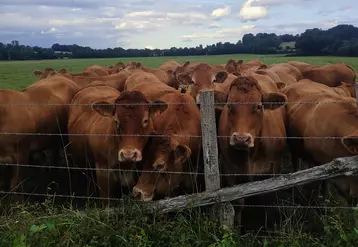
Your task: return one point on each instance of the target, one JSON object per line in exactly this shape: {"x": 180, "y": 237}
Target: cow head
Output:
{"x": 132, "y": 115}
{"x": 45, "y": 74}
{"x": 244, "y": 111}
{"x": 162, "y": 156}
{"x": 232, "y": 66}
{"x": 201, "y": 78}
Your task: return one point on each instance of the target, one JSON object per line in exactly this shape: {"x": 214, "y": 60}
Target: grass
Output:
{"x": 18, "y": 74}
{"x": 55, "y": 224}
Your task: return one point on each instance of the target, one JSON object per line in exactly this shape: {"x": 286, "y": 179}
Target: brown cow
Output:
{"x": 315, "y": 120}
{"x": 244, "y": 118}
{"x": 181, "y": 121}
{"x": 37, "y": 118}
{"x": 331, "y": 74}
{"x": 170, "y": 66}
{"x": 237, "y": 67}
{"x": 345, "y": 89}
{"x": 164, "y": 155}
{"x": 128, "y": 114}
{"x": 202, "y": 77}
{"x": 98, "y": 70}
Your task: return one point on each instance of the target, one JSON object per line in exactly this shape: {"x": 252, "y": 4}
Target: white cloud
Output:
{"x": 249, "y": 12}
{"x": 224, "y": 34}
{"x": 214, "y": 26}
{"x": 221, "y": 12}
{"x": 52, "y": 30}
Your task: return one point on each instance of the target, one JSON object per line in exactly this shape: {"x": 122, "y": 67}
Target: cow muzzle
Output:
{"x": 241, "y": 141}
{"x": 129, "y": 155}
{"x": 141, "y": 195}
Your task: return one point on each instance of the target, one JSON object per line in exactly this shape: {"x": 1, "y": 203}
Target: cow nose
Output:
{"x": 139, "y": 194}
{"x": 129, "y": 155}
{"x": 241, "y": 140}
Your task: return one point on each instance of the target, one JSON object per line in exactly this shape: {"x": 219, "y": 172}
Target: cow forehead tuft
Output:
{"x": 245, "y": 83}
{"x": 133, "y": 96}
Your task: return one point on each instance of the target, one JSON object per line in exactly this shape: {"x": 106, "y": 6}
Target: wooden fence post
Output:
{"x": 210, "y": 154}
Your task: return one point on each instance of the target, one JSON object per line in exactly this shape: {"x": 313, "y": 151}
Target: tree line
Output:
{"x": 341, "y": 40}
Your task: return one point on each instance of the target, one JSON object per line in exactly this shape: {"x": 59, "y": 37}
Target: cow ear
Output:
{"x": 49, "y": 69}
{"x": 104, "y": 108}
{"x": 221, "y": 77}
{"x": 182, "y": 153}
{"x": 186, "y": 63}
{"x": 184, "y": 79}
{"x": 220, "y": 99}
{"x": 280, "y": 85}
{"x": 63, "y": 71}
{"x": 240, "y": 61}
{"x": 262, "y": 66}
{"x": 37, "y": 73}
{"x": 277, "y": 100}
{"x": 351, "y": 143}
{"x": 157, "y": 107}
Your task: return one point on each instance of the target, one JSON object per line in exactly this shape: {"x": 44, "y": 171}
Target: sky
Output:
{"x": 163, "y": 23}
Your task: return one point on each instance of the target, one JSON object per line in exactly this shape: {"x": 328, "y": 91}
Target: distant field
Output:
{"x": 18, "y": 74}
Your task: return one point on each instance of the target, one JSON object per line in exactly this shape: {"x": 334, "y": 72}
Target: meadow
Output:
{"x": 50, "y": 224}
{"x": 18, "y": 74}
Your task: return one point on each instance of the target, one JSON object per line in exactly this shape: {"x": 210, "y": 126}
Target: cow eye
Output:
{"x": 258, "y": 107}
{"x": 118, "y": 124}
{"x": 145, "y": 122}
{"x": 160, "y": 167}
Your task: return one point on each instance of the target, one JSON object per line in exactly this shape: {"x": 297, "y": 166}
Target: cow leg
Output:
{"x": 15, "y": 183}
{"x": 104, "y": 181}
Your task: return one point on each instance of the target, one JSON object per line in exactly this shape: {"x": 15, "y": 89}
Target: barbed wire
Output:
{"x": 138, "y": 201}
{"x": 166, "y": 135}
{"x": 145, "y": 171}
{"x": 181, "y": 103}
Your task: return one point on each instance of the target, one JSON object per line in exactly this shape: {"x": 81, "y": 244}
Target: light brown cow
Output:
{"x": 170, "y": 66}
{"x": 202, "y": 77}
{"x": 315, "y": 120}
{"x": 243, "y": 119}
{"x": 166, "y": 156}
{"x": 41, "y": 117}
{"x": 98, "y": 70}
{"x": 331, "y": 74}
{"x": 181, "y": 121}
{"x": 345, "y": 89}
{"x": 237, "y": 67}
{"x": 128, "y": 114}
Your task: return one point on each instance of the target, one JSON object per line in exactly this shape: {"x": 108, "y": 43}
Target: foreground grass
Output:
{"x": 18, "y": 74}
{"x": 48, "y": 225}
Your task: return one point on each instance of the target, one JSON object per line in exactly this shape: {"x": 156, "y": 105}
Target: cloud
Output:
{"x": 249, "y": 12}
{"x": 220, "y": 12}
{"x": 224, "y": 34}
{"x": 214, "y": 26}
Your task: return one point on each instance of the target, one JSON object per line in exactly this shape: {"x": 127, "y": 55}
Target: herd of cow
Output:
{"x": 135, "y": 118}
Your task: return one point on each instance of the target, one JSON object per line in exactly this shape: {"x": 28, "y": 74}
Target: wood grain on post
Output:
{"x": 210, "y": 153}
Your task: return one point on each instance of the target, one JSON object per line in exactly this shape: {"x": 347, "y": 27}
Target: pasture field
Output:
{"x": 18, "y": 74}
{"x": 50, "y": 224}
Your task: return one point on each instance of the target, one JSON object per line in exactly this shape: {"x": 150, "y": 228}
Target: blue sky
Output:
{"x": 163, "y": 23}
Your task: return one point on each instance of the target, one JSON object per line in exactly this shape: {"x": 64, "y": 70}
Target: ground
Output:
{"x": 48, "y": 224}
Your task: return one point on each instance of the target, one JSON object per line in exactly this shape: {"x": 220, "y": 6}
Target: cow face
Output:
{"x": 201, "y": 78}
{"x": 163, "y": 154}
{"x": 43, "y": 75}
{"x": 132, "y": 114}
{"x": 245, "y": 111}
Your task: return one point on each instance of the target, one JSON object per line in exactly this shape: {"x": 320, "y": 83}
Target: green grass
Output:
{"x": 18, "y": 74}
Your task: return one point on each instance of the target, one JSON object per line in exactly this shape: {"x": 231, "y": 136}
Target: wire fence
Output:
{"x": 113, "y": 170}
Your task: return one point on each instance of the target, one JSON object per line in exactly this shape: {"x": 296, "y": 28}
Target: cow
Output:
{"x": 345, "y": 89}
{"x": 315, "y": 120}
{"x": 127, "y": 114}
{"x": 244, "y": 119}
{"x": 181, "y": 122}
{"x": 331, "y": 74}
{"x": 202, "y": 77}
{"x": 170, "y": 66}
{"x": 42, "y": 112}
{"x": 98, "y": 70}
{"x": 164, "y": 155}
{"x": 235, "y": 68}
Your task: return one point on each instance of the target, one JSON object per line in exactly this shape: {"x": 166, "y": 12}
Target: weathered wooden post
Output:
{"x": 210, "y": 154}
